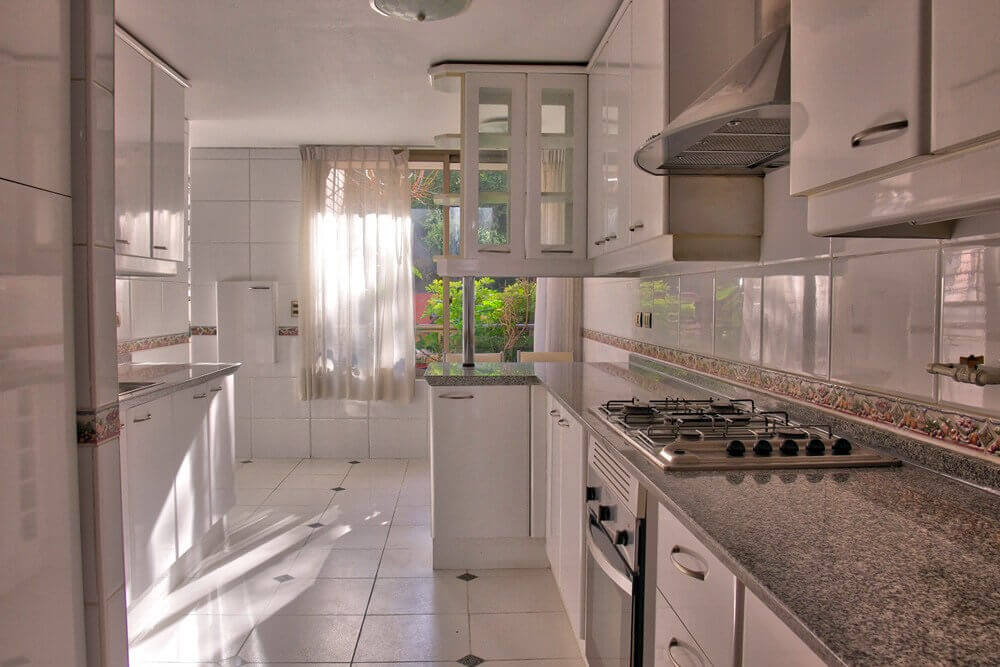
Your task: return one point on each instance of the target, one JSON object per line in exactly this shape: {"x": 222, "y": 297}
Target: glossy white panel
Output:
{"x": 94, "y": 56}
{"x": 796, "y": 334}
{"x": 287, "y": 292}
{"x": 883, "y": 321}
{"x": 416, "y": 409}
{"x": 738, "y": 314}
{"x": 327, "y": 408}
{"x": 398, "y": 438}
{"x": 280, "y": 438}
{"x": 969, "y": 310}
{"x": 175, "y": 307}
{"x": 291, "y": 153}
{"x": 214, "y": 180}
{"x": 220, "y": 221}
{"x": 220, "y": 153}
{"x": 169, "y": 167}
{"x": 785, "y": 233}
{"x": 277, "y": 398}
{"x": 659, "y": 296}
{"x": 276, "y": 180}
{"x": 203, "y": 305}
{"x": 35, "y": 105}
{"x": 123, "y": 306}
{"x": 133, "y": 158}
{"x": 147, "y": 308}
{"x": 109, "y": 515}
{"x": 609, "y": 305}
{"x": 274, "y": 261}
{"x": 696, "y": 312}
{"x": 244, "y": 429}
{"x": 94, "y": 149}
{"x": 275, "y": 221}
{"x": 339, "y": 438}
{"x": 103, "y": 326}
{"x": 212, "y": 262}
{"x": 204, "y": 349}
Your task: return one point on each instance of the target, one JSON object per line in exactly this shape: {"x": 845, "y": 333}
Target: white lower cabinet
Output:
{"x": 191, "y": 480}
{"x": 222, "y": 446}
{"x": 553, "y": 495}
{"x": 673, "y": 644}
{"x": 768, "y": 641}
{"x": 571, "y": 476}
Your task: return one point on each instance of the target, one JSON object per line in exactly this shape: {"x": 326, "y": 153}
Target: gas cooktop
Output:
{"x": 729, "y": 434}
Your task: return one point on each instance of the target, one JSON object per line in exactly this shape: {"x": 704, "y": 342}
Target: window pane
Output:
{"x": 493, "y": 223}
{"x": 556, "y": 173}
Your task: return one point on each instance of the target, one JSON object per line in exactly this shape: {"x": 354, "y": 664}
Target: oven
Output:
{"x": 615, "y": 540}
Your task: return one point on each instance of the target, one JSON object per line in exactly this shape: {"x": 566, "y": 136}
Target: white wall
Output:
{"x": 245, "y": 210}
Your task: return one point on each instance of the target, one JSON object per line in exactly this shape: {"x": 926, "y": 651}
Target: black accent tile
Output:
{"x": 284, "y": 577}
{"x": 354, "y": 462}
{"x": 316, "y": 524}
{"x": 338, "y": 488}
{"x": 246, "y": 461}
{"x": 471, "y": 660}
{"x": 466, "y": 577}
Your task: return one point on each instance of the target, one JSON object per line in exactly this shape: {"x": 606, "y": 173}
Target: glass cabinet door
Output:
{"x": 493, "y": 139}
{"x": 557, "y": 165}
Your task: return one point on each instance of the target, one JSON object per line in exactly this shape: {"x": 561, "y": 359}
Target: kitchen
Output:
{"x": 706, "y": 381}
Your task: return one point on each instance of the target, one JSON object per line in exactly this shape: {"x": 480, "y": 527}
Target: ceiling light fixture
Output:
{"x": 420, "y": 10}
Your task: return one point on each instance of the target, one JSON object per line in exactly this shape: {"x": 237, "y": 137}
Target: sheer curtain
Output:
{"x": 357, "y": 279}
{"x": 559, "y": 316}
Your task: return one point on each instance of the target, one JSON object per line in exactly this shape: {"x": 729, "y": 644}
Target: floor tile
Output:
{"x": 348, "y": 537}
{"x": 410, "y": 563}
{"x": 303, "y": 597}
{"x": 412, "y": 515}
{"x": 419, "y": 494}
{"x": 358, "y": 515}
{"x": 513, "y": 593}
{"x": 336, "y": 564}
{"x": 297, "y": 480}
{"x": 247, "y": 597}
{"x": 409, "y": 537}
{"x": 303, "y": 639}
{"x": 414, "y": 637}
{"x": 292, "y": 496}
{"x": 193, "y": 638}
{"x": 252, "y": 496}
{"x": 522, "y": 636}
{"x": 433, "y": 595}
{"x": 565, "y": 662}
{"x": 322, "y": 467}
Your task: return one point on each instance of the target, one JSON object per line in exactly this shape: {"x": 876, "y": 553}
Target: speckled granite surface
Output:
{"x": 454, "y": 375}
{"x": 869, "y": 566}
{"x": 169, "y": 378}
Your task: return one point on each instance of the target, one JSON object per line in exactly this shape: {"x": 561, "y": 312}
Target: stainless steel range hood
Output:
{"x": 740, "y": 125}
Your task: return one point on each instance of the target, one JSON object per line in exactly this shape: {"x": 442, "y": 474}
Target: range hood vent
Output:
{"x": 740, "y": 125}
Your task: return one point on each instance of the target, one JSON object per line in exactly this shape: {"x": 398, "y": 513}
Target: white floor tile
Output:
{"x": 415, "y": 637}
{"x": 293, "y": 496}
{"x": 412, "y": 515}
{"x": 249, "y": 597}
{"x": 251, "y": 496}
{"x": 522, "y": 636}
{"x": 434, "y": 595}
{"x": 336, "y": 564}
{"x": 305, "y": 597}
{"x": 409, "y": 537}
{"x": 344, "y": 514}
{"x": 193, "y": 638}
{"x": 348, "y": 537}
{"x": 297, "y": 480}
{"x": 303, "y": 639}
{"x": 513, "y": 593}
{"x": 323, "y": 467}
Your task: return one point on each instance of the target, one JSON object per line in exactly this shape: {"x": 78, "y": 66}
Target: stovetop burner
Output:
{"x": 721, "y": 434}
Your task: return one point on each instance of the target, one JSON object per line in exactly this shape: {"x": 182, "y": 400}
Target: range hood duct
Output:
{"x": 740, "y": 125}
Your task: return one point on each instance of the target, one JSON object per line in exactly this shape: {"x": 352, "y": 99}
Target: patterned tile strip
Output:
{"x": 94, "y": 428}
{"x": 288, "y": 331}
{"x": 973, "y": 431}
{"x": 203, "y": 330}
{"x": 152, "y": 342}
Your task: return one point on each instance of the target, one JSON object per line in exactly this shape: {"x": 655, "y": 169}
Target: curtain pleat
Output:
{"x": 357, "y": 339}
{"x": 559, "y": 316}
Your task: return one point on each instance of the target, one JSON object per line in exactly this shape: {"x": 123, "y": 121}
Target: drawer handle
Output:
{"x": 504, "y": 251}
{"x": 563, "y": 423}
{"x": 554, "y": 413}
{"x": 143, "y": 419}
{"x": 674, "y": 643}
{"x": 858, "y": 138}
{"x": 457, "y": 397}
{"x": 610, "y": 237}
{"x": 600, "y": 242}
{"x": 216, "y": 389}
{"x": 160, "y": 247}
{"x": 557, "y": 252}
{"x": 199, "y": 395}
{"x": 122, "y": 241}
{"x": 636, "y": 226}
{"x": 684, "y": 569}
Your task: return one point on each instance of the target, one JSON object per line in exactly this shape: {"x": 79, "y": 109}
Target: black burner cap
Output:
{"x": 762, "y": 448}
{"x": 841, "y": 447}
{"x": 736, "y": 448}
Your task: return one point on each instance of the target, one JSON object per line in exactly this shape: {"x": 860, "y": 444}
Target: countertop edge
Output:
{"x": 169, "y": 387}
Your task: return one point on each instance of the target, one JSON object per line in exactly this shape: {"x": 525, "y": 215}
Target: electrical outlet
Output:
{"x": 637, "y": 320}
{"x": 647, "y": 320}
{"x": 295, "y": 308}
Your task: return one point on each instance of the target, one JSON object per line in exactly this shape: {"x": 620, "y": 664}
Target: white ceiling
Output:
{"x": 289, "y": 72}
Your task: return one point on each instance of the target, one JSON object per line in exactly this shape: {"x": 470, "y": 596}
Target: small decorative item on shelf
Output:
{"x": 971, "y": 369}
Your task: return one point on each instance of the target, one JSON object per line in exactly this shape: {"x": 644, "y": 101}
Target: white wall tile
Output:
{"x": 244, "y": 430}
{"x": 659, "y": 296}
{"x": 220, "y": 221}
{"x": 220, "y": 153}
{"x": 204, "y": 349}
{"x": 204, "y": 305}
{"x": 274, "y": 261}
{"x": 738, "y": 315}
{"x": 785, "y": 233}
{"x": 275, "y": 221}
{"x": 214, "y": 180}
{"x": 595, "y": 351}
{"x": 172, "y": 354}
{"x": 796, "y": 335}
{"x": 104, "y": 329}
{"x": 147, "y": 307}
{"x": 398, "y": 438}
{"x": 339, "y": 438}
{"x": 276, "y": 180}
{"x": 696, "y": 325}
{"x": 417, "y": 409}
{"x": 287, "y": 363}
{"x": 883, "y": 324}
{"x": 243, "y": 402}
{"x": 862, "y": 246}
{"x": 280, "y": 438}
{"x": 123, "y": 308}
{"x": 109, "y": 505}
{"x": 289, "y": 153}
{"x": 276, "y": 397}
{"x": 213, "y": 262}
{"x": 286, "y": 293}
{"x": 175, "y": 307}
{"x": 329, "y": 408}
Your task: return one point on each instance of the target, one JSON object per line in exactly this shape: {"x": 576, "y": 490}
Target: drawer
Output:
{"x": 673, "y": 645}
{"x": 699, "y": 588}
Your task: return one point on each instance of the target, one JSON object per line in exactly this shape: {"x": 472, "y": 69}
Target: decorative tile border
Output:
{"x": 127, "y": 347}
{"x": 288, "y": 331}
{"x": 94, "y": 428}
{"x": 204, "y": 330}
{"x": 972, "y": 431}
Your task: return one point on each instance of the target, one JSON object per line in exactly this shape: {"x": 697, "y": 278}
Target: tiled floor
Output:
{"x": 328, "y": 562}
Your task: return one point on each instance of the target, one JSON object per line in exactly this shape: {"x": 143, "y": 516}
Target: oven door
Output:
{"x": 610, "y": 584}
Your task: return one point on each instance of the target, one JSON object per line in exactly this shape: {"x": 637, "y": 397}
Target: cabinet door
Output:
{"x": 572, "y": 508}
{"x": 673, "y": 644}
{"x": 965, "y": 63}
{"x": 169, "y": 199}
{"x": 648, "y": 115}
{"x": 768, "y": 641}
{"x": 596, "y": 108}
{"x": 554, "y": 468}
{"x": 149, "y": 475}
{"x": 493, "y": 161}
{"x": 480, "y": 447}
{"x": 556, "y": 165}
{"x": 221, "y": 446}
{"x": 858, "y": 103}
{"x": 192, "y": 484}
{"x": 618, "y": 157}
{"x": 133, "y": 128}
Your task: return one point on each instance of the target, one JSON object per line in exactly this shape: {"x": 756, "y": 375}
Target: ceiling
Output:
{"x": 290, "y": 72}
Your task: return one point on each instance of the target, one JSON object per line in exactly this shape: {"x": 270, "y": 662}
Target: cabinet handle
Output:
{"x": 563, "y": 423}
{"x": 554, "y": 413}
{"x": 457, "y": 397}
{"x": 878, "y": 129}
{"x": 683, "y": 569}
{"x": 200, "y": 396}
{"x": 674, "y": 642}
{"x": 143, "y": 419}
{"x": 160, "y": 247}
{"x": 505, "y": 251}
{"x": 600, "y": 242}
{"x": 636, "y": 226}
{"x": 557, "y": 252}
{"x": 259, "y": 287}
{"x": 611, "y": 237}
{"x": 122, "y": 241}
{"x": 216, "y": 389}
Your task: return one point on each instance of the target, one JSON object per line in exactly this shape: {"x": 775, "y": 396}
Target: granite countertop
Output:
{"x": 168, "y": 378}
{"x": 869, "y": 566}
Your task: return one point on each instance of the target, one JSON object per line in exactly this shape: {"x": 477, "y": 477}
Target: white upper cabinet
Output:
{"x": 556, "y": 217}
{"x": 965, "y": 79}
{"x": 133, "y": 127}
{"x": 169, "y": 197}
{"x": 596, "y": 106}
{"x": 858, "y": 101}
{"x": 617, "y": 146}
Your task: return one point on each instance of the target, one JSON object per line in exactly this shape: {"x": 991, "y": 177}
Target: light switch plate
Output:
{"x": 647, "y": 320}
{"x": 295, "y": 308}
{"x": 637, "y": 320}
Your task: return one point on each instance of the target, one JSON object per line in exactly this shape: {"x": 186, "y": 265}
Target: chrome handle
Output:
{"x": 563, "y": 423}
{"x": 600, "y": 242}
{"x": 554, "y": 413}
{"x": 878, "y": 129}
{"x": 457, "y": 397}
{"x": 260, "y": 287}
{"x": 199, "y": 395}
{"x": 160, "y": 247}
{"x": 636, "y": 226}
{"x": 684, "y": 569}
{"x": 612, "y": 237}
{"x": 143, "y": 419}
{"x": 557, "y": 252}
{"x": 216, "y": 389}
{"x": 122, "y": 241}
{"x": 618, "y": 575}
{"x": 498, "y": 250}
{"x": 674, "y": 642}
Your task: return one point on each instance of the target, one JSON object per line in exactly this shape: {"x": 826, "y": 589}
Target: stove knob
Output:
{"x": 622, "y": 538}
{"x": 593, "y": 493}
{"x": 841, "y": 446}
{"x": 736, "y": 448}
{"x": 815, "y": 447}
{"x": 789, "y": 447}
{"x": 762, "y": 448}
{"x": 603, "y": 513}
